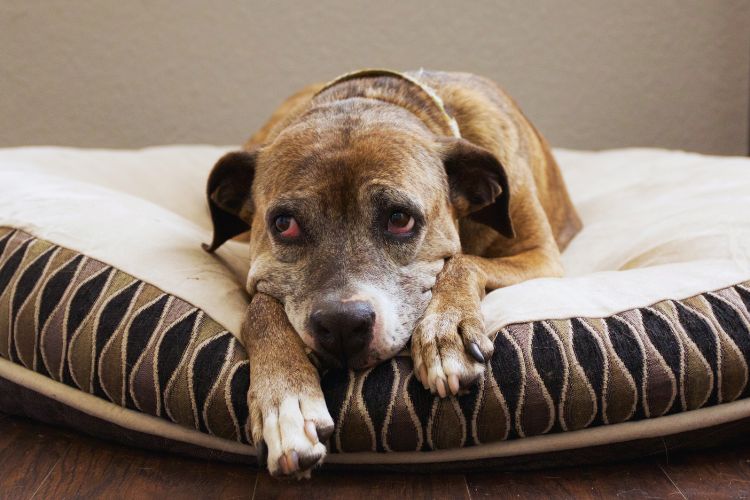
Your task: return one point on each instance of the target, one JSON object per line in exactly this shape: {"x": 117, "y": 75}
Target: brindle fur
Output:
{"x": 335, "y": 158}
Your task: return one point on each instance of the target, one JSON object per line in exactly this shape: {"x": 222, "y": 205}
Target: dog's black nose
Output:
{"x": 343, "y": 329}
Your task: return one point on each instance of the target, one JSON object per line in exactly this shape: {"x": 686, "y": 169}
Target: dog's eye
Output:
{"x": 400, "y": 223}
{"x": 286, "y": 226}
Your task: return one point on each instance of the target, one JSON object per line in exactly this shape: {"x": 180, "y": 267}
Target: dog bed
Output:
{"x": 115, "y": 322}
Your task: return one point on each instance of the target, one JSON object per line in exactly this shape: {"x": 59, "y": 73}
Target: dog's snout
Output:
{"x": 343, "y": 328}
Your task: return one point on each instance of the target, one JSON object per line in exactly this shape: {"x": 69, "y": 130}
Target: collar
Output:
{"x": 421, "y": 86}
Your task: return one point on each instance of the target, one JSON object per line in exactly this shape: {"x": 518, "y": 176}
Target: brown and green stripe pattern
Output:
{"x": 84, "y": 323}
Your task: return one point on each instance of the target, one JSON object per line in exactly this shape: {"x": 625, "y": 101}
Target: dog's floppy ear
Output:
{"x": 478, "y": 184}
{"x": 228, "y": 191}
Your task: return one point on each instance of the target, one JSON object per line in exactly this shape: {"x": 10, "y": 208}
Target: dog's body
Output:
{"x": 372, "y": 224}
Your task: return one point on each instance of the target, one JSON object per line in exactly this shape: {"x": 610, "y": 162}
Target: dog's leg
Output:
{"x": 541, "y": 261}
{"x": 449, "y": 345}
{"x": 287, "y": 408}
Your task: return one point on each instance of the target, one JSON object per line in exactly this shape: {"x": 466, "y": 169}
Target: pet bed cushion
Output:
{"x": 115, "y": 322}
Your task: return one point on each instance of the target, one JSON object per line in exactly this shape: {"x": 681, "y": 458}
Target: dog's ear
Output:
{"x": 229, "y": 196}
{"x": 478, "y": 184}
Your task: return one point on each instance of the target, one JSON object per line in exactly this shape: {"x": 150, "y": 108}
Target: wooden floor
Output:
{"x": 39, "y": 461}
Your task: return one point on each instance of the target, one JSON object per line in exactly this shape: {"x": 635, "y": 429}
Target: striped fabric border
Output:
{"x": 93, "y": 327}
{"x": 84, "y": 323}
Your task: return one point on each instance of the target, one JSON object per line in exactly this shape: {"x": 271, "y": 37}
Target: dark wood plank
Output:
{"x": 629, "y": 480}
{"x": 93, "y": 469}
{"x": 47, "y": 462}
{"x": 28, "y": 453}
{"x": 376, "y": 486}
{"x": 714, "y": 474}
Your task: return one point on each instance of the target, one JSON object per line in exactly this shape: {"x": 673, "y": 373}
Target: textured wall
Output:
{"x": 590, "y": 74}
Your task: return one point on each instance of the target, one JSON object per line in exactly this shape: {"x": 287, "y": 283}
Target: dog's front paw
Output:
{"x": 294, "y": 428}
{"x": 449, "y": 349}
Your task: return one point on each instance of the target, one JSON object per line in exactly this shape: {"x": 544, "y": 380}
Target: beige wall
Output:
{"x": 590, "y": 74}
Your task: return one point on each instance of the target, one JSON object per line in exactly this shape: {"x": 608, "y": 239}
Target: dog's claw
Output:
{"x": 453, "y": 384}
{"x": 311, "y": 432}
{"x": 292, "y": 460}
{"x": 441, "y": 388}
{"x": 473, "y": 349}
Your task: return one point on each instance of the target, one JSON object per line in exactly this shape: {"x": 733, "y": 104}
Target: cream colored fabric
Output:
{"x": 646, "y": 207}
{"x": 140, "y": 211}
{"x": 657, "y": 225}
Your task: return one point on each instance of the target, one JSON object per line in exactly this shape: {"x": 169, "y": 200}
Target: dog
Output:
{"x": 381, "y": 207}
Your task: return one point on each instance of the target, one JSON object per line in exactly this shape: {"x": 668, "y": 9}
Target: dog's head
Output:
{"x": 353, "y": 212}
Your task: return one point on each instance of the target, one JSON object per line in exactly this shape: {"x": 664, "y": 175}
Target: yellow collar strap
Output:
{"x": 429, "y": 91}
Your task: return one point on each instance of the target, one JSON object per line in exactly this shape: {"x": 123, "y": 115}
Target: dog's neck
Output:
{"x": 397, "y": 89}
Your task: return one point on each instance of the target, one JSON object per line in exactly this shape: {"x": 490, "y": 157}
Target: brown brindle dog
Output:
{"x": 374, "y": 222}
